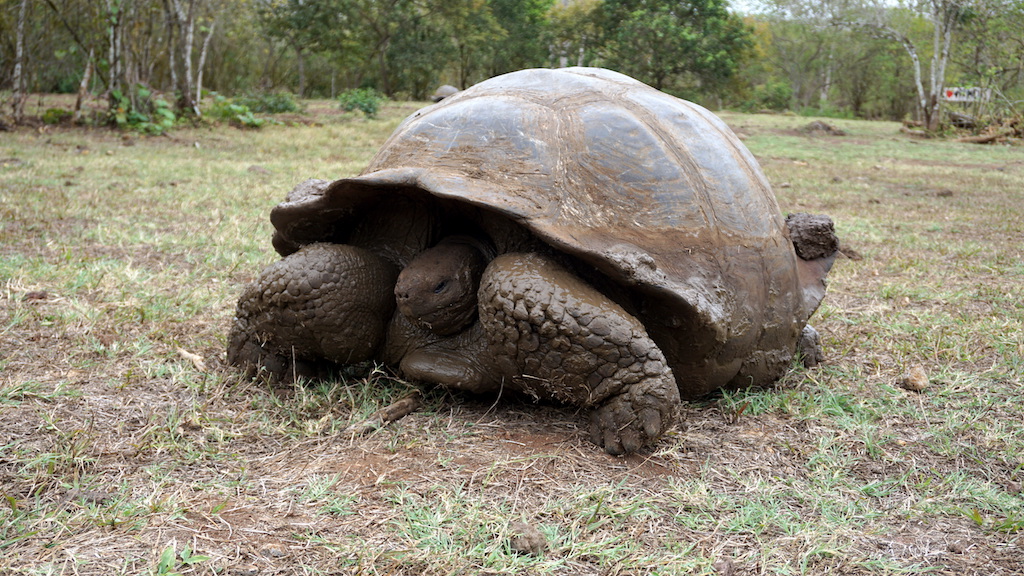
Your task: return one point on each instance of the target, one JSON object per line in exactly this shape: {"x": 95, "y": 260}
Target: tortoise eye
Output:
{"x": 440, "y": 286}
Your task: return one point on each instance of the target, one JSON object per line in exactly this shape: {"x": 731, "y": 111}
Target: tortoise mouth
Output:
{"x": 443, "y": 322}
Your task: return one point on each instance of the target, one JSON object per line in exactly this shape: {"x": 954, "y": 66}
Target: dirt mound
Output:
{"x": 818, "y": 128}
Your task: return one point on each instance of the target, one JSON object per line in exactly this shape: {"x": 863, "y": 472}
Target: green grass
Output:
{"x": 120, "y": 454}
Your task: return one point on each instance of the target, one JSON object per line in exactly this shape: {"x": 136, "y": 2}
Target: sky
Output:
{"x": 744, "y": 6}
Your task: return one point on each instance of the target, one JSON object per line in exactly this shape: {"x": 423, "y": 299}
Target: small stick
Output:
{"x": 195, "y": 359}
{"x": 395, "y": 411}
{"x": 985, "y": 138}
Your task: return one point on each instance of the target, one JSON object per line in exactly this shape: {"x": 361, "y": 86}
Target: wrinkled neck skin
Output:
{"x": 437, "y": 291}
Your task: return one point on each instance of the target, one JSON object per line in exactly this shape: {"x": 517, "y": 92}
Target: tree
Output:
{"x": 990, "y": 53}
{"x": 944, "y": 17}
{"x": 576, "y": 32}
{"x": 311, "y": 27}
{"x": 524, "y": 42}
{"x": 20, "y": 91}
{"x": 677, "y": 44}
{"x": 829, "y": 63}
{"x": 181, "y": 27}
{"x": 378, "y": 22}
{"x": 473, "y": 31}
{"x": 805, "y": 46}
{"x": 420, "y": 52}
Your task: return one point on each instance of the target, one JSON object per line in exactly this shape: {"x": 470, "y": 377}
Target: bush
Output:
{"x": 270, "y": 102}
{"x": 827, "y": 111}
{"x": 774, "y": 95}
{"x": 56, "y": 116}
{"x": 366, "y": 100}
{"x": 234, "y": 113}
{"x": 151, "y": 114}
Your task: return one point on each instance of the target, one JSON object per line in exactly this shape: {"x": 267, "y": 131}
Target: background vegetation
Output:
{"x": 855, "y": 58}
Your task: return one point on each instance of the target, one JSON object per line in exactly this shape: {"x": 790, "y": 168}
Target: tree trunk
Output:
{"x": 170, "y": 16}
{"x": 20, "y": 93}
{"x": 301, "y": 60}
{"x": 385, "y": 82}
{"x": 265, "y": 81}
{"x": 74, "y": 35}
{"x": 114, "y": 46}
{"x": 202, "y": 62}
{"x": 83, "y": 89}
{"x": 826, "y": 83}
{"x": 922, "y": 99}
{"x": 188, "y": 102}
{"x": 944, "y": 17}
{"x": 182, "y": 23}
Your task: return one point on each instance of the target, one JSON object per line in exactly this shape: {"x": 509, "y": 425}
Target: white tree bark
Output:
{"x": 186, "y": 87}
{"x": 202, "y": 62}
{"x": 20, "y": 92}
{"x": 826, "y": 83}
{"x": 83, "y": 88}
{"x": 944, "y": 16}
{"x": 114, "y": 44}
{"x": 181, "y": 18}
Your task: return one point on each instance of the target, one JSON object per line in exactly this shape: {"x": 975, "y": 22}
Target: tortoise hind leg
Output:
{"x": 554, "y": 336}
{"x": 325, "y": 302}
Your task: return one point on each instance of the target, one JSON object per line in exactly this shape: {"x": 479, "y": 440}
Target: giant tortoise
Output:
{"x": 573, "y": 235}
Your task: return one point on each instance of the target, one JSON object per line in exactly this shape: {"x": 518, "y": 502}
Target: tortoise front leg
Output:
{"x": 554, "y": 336}
{"x": 325, "y": 302}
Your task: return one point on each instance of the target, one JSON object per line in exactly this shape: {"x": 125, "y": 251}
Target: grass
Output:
{"x": 127, "y": 447}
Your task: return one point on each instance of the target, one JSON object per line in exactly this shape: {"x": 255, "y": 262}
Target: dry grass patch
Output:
{"x": 126, "y": 447}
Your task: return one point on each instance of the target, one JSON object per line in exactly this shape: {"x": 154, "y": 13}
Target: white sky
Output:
{"x": 744, "y": 6}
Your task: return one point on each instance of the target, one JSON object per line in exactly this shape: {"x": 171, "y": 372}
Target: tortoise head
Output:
{"x": 437, "y": 291}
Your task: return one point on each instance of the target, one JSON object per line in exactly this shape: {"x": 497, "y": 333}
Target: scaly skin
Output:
{"x": 437, "y": 290}
{"x": 554, "y": 336}
{"x": 538, "y": 329}
{"x": 325, "y": 302}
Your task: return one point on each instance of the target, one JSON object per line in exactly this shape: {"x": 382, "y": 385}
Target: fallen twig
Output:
{"x": 914, "y": 133}
{"x": 985, "y": 138}
{"x": 195, "y": 359}
{"x": 395, "y": 411}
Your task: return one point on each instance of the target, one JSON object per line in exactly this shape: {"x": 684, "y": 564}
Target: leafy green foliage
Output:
{"x": 418, "y": 54}
{"x": 171, "y": 561}
{"x": 775, "y": 95}
{"x": 233, "y": 113}
{"x": 675, "y": 45}
{"x": 270, "y": 102}
{"x": 525, "y": 42}
{"x": 56, "y": 116}
{"x": 576, "y": 31}
{"x": 366, "y": 100}
{"x": 141, "y": 110}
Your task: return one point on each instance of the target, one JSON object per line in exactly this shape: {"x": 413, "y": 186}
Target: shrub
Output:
{"x": 366, "y": 100}
{"x": 774, "y": 95}
{"x": 270, "y": 102}
{"x": 150, "y": 114}
{"x": 234, "y": 113}
{"x": 56, "y": 115}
